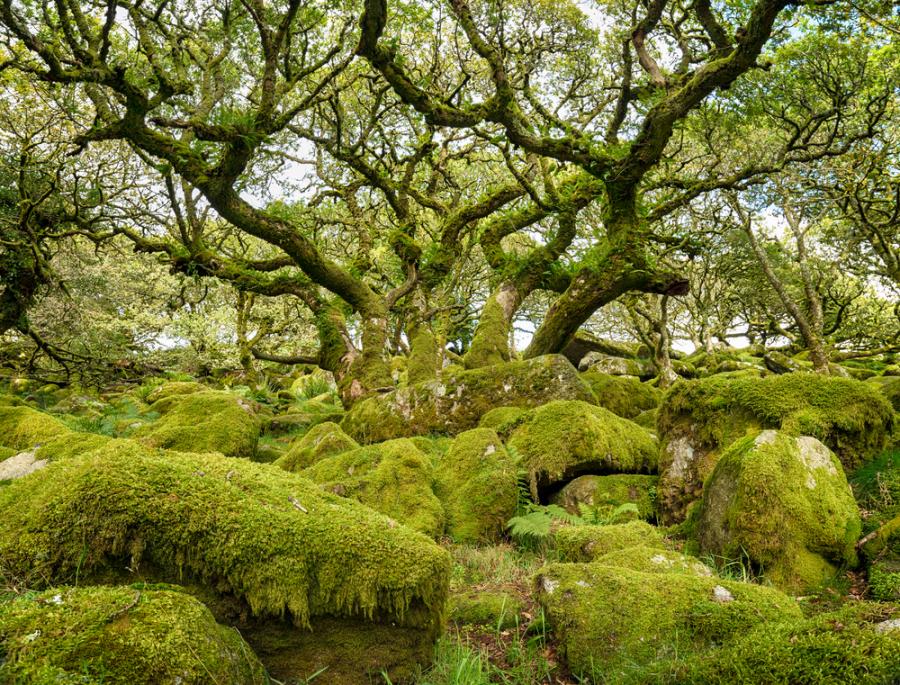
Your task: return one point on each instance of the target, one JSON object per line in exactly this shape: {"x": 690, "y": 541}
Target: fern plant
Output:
{"x": 531, "y": 527}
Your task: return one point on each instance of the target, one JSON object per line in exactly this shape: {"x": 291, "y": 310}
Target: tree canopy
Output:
{"x": 336, "y": 183}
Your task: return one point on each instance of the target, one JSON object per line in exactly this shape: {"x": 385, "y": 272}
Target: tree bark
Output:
{"x": 491, "y": 342}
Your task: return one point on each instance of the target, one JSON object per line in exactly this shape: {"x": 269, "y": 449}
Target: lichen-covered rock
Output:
{"x": 476, "y": 482}
{"x": 699, "y": 419}
{"x": 566, "y": 438}
{"x": 655, "y": 560}
{"x": 858, "y": 644}
{"x": 589, "y": 543}
{"x": 457, "y": 400}
{"x": 612, "y": 622}
{"x": 605, "y": 493}
{"x": 622, "y": 395}
{"x": 208, "y": 421}
{"x": 599, "y": 362}
{"x": 324, "y": 440}
{"x": 784, "y": 504}
{"x": 120, "y": 636}
{"x": 267, "y": 551}
{"x": 393, "y": 477}
{"x": 496, "y": 609}
{"x": 22, "y": 428}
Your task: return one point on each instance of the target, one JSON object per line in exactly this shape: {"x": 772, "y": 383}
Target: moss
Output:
{"x": 490, "y": 345}
{"x": 309, "y": 414}
{"x": 783, "y": 504}
{"x": 434, "y": 446}
{"x": 876, "y": 487}
{"x": 22, "y": 427}
{"x": 207, "y": 421}
{"x": 884, "y": 579}
{"x": 603, "y": 364}
{"x": 503, "y": 419}
{"x": 699, "y": 419}
{"x": 477, "y": 484}
{"x": 424, "y": 356}
{"x": 324, "y": 440}
{"x": 612, "y": 622}
{"x": 174, "y": 389}
{"x": 884, "y": 540}
{"x": 563, "y": 439}
{"x": 392, "y": 477}
{"x": 604, "y": 494}
{"x": 341, "y": 652}
{"x": 622, "y": 395}
{"x": 889, "y": 386}
{"x": 588, "y": 543}
{"x": 492, "y": 608}
{"x": 459, "y": 398}
{"x": 853, "y": 645}
{"x": 849, "y": 416}
{"x": 647, "y": 419}
{"x": 648, "y": 559}
{"x": 71, "y": 445}
{"x": 316, "y": 382}
{"x": 271, "y": 540}
{"x": 120, "y": 635}
{"x": 7, "y": 452}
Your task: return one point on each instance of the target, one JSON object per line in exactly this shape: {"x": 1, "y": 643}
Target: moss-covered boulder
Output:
{"x": 304, "y": 417}
{"x": 393, "y": 477}
{"x": 22, "y": 428}
{"x": 699, "y": 419}
{"x": 457, "y": 400}
{"x": 208, "y": 421}
{"x": 476, "y": 482}
{"x": 173, "y": 389}
{"x": 610, "y": 365}
{"x": 613, "y": 622}
{"x": 324, "y": 440}
{"x": 858, "y": 644}
{"x": 503, "y": 419}
{"x": 496, "y": 609}
{"x": 589, "y": 543}
{"x": 120, "y": 636}
{"x": 566, "y": 438}
{"x": 267, "y": 551}
{"x": 783, "y": 504}
{"x": 604, "y": 494}
{"x": 625, "y": 396}
{"x": 649, "y": 559}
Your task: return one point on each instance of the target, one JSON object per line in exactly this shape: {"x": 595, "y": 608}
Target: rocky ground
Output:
{"x": 521, "y": 523}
